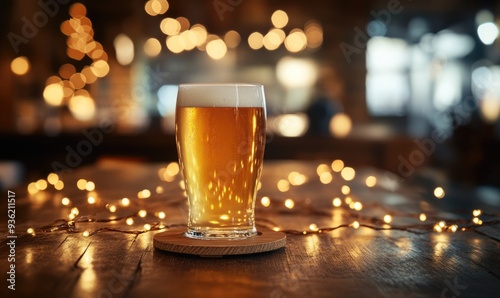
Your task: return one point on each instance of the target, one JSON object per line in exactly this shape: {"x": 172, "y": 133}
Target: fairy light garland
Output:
{"x": 352, "y": 210}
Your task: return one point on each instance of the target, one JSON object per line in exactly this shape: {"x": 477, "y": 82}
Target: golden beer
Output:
{"x": 220, "y": 143}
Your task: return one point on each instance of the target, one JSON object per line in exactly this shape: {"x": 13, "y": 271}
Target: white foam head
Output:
{"x": 221, "y": 95}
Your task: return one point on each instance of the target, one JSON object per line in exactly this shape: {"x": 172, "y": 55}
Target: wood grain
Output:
{"x": 175, "y": 241}
{"x": 344, "y": 263}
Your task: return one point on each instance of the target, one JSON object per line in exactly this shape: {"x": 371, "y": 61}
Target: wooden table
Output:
{"x": 345, "y": 262}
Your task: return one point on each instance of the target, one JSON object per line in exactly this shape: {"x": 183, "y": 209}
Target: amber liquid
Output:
{"x": 221, "y": 150}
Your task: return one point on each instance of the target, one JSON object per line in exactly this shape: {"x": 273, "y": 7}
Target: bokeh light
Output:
{"x": 20, "y": 65}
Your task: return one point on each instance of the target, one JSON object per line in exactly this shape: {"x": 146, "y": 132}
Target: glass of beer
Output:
{"x": 220, "y": 133}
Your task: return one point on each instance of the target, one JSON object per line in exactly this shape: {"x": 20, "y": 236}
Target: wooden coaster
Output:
{"x": 174, "y": 240}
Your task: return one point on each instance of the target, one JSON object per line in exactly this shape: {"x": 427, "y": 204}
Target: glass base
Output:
{"x": 220, "y": 233}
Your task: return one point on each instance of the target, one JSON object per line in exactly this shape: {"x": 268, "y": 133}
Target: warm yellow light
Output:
{"x": 272, "y": 40}
{"x": 476, "y": 212}
{"x": 296, "y": 178}
{"x": 159, "y": 6}
{"x": 86, "y": 233}
{"x": 32, "y": 189}
{"x": 170, "y": 26}
{"x": 438, "y": 229}
{"x": 348, "y": 200}
{"x": 439, "y": 192}
{"x": 143, "y": 213}
{"x": 30, "y": 231}
{"x": 59, "y": 185}
{"x": 52, "y": 178}
{"x": 65, "y": 201}
{"x": 276, "y": 229}
{"x": 265, "y": 201}
{"x": 148, "y": 7}
{"x": 100, "y": 68}
{"x": 147, "y": 227}
{"x": 337, "y": 165}
{"x": 216, "y": 49}
{"x": 189, "y": 39}
{"x": 175, "y": 44}
{"x": 313, "y": 227}
{"x": 129, "y": 221}
{"x": 345, "y": 190}
{"x": 348, "y": 173}
{"x": 152, "y": 47}
{"x": 325, "y": 177}
{"x": 289, "y": 203}
{"x": 90, "y": 186}
{"x": 232, "y": 39}
{"x": 279, "y": 19}
{"x": 172, "y": 169}
{"x": 442, "y": 224}
{"x": 336, "y": 202}
{"x": 91, "y": 200}
{"x": 283, "y": 185}
{"x": 159, "y": 189}
{"x": 82, "y": 107}
{"x": 453, "y": 228}
{"x": 340, "y": 125}
{"x": 291, "y": 125}
{"x": 355, "y": 225}
{"x": 20, "y": 65}
{"x": 387, "y": 218}
{"x": 144, "y": 194}
{"x": 489, "y": 107}
{"x": 125, "y": 202}
{"x": 422, "y": 217}
{"x": 53, "y": 94}
{"x": 256, "y": 40}
{"x": 371, "y": 181}
{"x": 41, "y": 184}
{"x": 124, "y": 48}
{"x": 81, "y": 184}
{"x": 201, "y": 34}
{"x": 357, "y": 206}
{"x": 161, "y": 215}
{"x": 322, "y": 168}
{"x": 296, "y": 41}
{"x": 297, "y": 72}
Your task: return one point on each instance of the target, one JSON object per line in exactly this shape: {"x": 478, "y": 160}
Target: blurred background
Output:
{"x": 404, "y": 86}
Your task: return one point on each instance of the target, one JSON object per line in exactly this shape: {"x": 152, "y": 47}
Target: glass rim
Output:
{"x": 220, "y": 85}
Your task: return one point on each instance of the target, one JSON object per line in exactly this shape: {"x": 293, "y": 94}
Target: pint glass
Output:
{"x": 220, "y": 134}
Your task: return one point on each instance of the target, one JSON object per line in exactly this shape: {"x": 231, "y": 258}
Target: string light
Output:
{"x": 91, "y": 200}
{"x": 387, "y": 218}
{"x": 265, "y": 201}
{"x": 352, "y": 211}
{"x": 125, "y": 202}
{"x": 439, "y": 192}
{"x": 289, "y": 203}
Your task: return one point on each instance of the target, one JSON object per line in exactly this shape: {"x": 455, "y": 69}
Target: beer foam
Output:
{"x": 221, "y": 95}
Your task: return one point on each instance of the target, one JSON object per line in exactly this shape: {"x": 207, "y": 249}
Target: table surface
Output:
{"x": 373, "y": 260}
